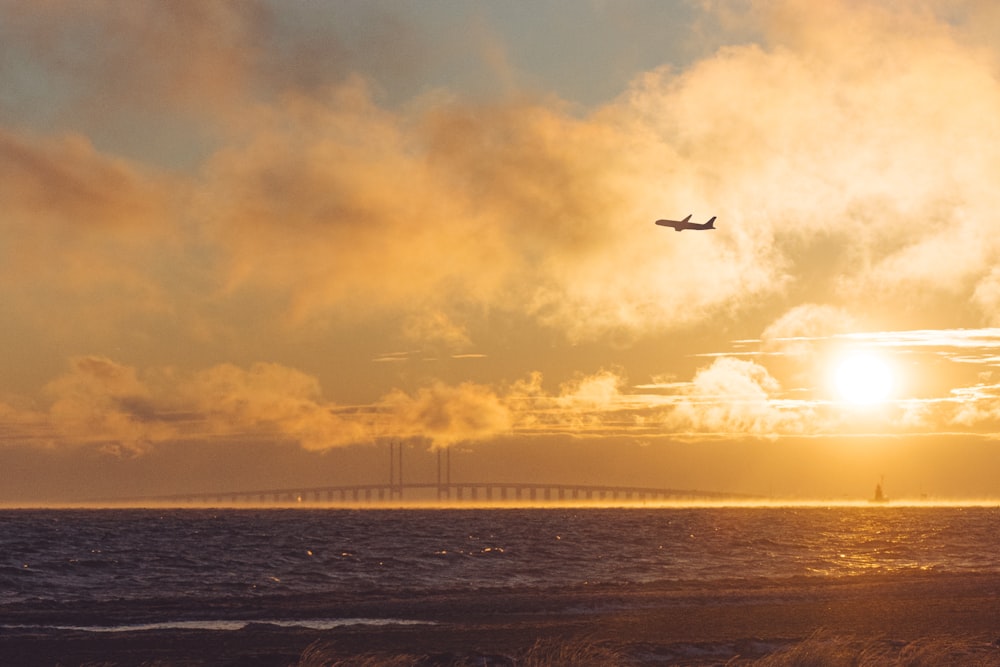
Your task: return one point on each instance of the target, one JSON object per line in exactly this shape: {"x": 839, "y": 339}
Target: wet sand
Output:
{"x": 651, "y": 624}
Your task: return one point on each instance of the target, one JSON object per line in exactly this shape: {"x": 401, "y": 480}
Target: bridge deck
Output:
{"x": 497, "y": 492}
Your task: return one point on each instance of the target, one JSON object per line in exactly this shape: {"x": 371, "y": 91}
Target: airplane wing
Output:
{"x": 676, "y": 224}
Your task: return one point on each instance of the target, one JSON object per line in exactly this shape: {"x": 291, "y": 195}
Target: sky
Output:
{"x": 246, "y": 245}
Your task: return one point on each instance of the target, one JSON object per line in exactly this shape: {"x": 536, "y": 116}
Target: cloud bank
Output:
{"x": 843, "y": 153}
{"x": 844, "y": 148}
{"x": 124, "y": 410}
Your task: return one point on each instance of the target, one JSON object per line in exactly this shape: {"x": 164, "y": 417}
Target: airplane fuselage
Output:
{"x": 681, "y": 225}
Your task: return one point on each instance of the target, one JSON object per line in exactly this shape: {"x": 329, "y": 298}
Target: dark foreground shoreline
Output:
{"x": 734, "y": 622}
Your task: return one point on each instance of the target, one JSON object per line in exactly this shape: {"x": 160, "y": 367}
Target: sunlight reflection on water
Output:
{"x": 233, "y": 554}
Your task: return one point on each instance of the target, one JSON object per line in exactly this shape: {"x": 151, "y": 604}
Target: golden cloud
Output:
{"x": 83, "y": 235}
{"x": 100, "y": 402}
{"x": 736, "y": 396}
{"x": 843, "y": 155}
{"x": 116, "y": 407}
{"x": 854, "y": 173}
{"x": 103, "y": 402}
{"x": 446, "y": 415}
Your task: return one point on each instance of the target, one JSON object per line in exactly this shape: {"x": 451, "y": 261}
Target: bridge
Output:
{"x": 443, "y": 491}
{"x": 468, "y": 492}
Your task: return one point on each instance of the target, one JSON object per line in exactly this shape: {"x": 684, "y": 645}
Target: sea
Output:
{"x": 221, "y": 569}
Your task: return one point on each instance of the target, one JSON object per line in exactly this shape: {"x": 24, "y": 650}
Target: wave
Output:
{"x": 223, "y": 625}
{"x": 231, "y": 558}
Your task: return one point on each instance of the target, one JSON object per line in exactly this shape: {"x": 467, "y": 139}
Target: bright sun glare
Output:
{"x": 862, "y": 378}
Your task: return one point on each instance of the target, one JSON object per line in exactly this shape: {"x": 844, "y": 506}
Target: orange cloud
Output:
{"x": 102, "y": 403}
{"x": 835, "y": 175}
{"x": 106, "y": 403}
{"x": 735, "y": 396}
{"x": 342, "y": 205}
{"x": 269, "y": 401}
{"x": 83, "y": 235}
{"x": 328, "y": 204}
{"x": 842, "y": 154}
{"x": 66, "y": 182}
{"x": 445, "y": 415}
{"x": 830, "y": 169}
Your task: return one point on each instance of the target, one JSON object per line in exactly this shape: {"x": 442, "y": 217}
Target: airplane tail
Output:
{"x": 710, "y": 224}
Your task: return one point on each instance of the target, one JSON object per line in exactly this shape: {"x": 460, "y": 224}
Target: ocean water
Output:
{"x": 222, "y": 569}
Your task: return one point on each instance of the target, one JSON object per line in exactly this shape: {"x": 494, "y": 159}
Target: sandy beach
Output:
{"x": 886, "y": 618}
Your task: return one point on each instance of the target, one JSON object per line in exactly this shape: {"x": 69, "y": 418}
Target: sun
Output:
{"x": 862, "y": 378}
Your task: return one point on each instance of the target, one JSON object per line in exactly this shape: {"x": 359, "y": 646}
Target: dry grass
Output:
{"x": 579, "y": 654}
{"x": 824, "y": 649}
{"x": 324, "y": 654}
{"x": 539, "y": 654}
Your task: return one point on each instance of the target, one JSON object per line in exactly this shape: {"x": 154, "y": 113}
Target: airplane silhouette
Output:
{"x": 681, "y": 225}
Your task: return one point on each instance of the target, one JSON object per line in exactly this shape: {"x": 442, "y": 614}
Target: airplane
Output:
{"x": 681, "y": 225}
